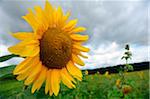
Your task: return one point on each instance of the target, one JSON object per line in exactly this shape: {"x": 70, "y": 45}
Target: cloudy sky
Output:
{"x": 110, "y": 24}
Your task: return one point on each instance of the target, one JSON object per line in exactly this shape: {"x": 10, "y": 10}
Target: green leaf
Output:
{"x": 122, "y": 57}
{"x": 6, "y": 70}
{"x": 129, "y": 67}
{"x": 127, "y": 47}
{"x": 7, "y": 57}
{"x": 8, "y": 83}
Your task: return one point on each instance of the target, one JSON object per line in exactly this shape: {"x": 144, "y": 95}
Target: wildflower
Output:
{"x": 107, "y": 74}
{"x": 118, "y": 82}
{"x": 97, "y": 72}
{"x": 86, "y": 72}
{"x": 126, "y": 89}
{"x": 141, "y": 74}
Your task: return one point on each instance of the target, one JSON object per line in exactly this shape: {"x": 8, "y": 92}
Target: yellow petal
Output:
{"x": 48, "y": 12}
{"x": 33, "y": 74}
{"x": 81, "y": 48}
{"x": 23, "y": 64}
{"x": 59, "y": 16}
{"x": 25, "y": 72}
{"x": 77, "y": 60}
{"x": 26, "y": 42}
{"x": 22, "y": 76}
{"x": 78, "y": 37}
{"x": 68, "y": 75}
{"x": 77, "y": 43}
{"x": 65, "y": 18}
{"x": 55, "y": 80}
{"x": 54, "y": 17}
{"x": 41, "y": 17}
{"x": 23, "y": 47}
{"x": 27, "y": 67}
{"x": 71, "y": 24}
{"x": 77, "y": 52}
{"x": 78, "y": 29}
{"x": 31, "y": 51}
{"x": 23, "y": 35}
{"x": 48, "y": 77}
{"x": 16, "y": 50}
{"x": 48, "y": 7}
{"x": 50, "y": 89}
{"x": 67, "y": 79}
{"x": 39, "y": 81}
{"x": 74, "y": 71}
{"x": 48, "y": 86}
{"x": 80, "y": 54}
{"x": 31, "y": 19}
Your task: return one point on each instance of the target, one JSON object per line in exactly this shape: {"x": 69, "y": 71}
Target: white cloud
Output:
{"x": 104, "y": 56}
{"x": 111, "y": 56}
{"x": 13, "y": 61}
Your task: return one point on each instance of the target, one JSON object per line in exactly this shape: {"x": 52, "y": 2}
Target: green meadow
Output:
{"x": 94, "y": 86}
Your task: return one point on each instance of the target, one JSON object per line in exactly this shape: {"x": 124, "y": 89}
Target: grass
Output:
{"x": 92, "y": 87}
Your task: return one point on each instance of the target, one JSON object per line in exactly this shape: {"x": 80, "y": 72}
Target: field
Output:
{"x": 95, "y": 86}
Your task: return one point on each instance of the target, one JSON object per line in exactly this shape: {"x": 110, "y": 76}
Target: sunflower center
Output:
{"x": 55, "y": 48}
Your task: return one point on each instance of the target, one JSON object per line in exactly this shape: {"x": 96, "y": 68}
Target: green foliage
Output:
{"x": 92, "y": 87}
{"x": 127, "y": 54}
{"x": 127, "y": 47}
{"x": 7, "y": 57}
{"x": 122, "y": 84}
{"x": 6, "y": 70}
{"x": 128, "y": 67}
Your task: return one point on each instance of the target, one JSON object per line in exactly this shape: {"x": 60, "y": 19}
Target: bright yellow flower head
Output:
{"x": 107, "y": 74}
{"x": 86, "y": 72}
{"x": 118, "y": 82}
{"x": 51, "y": 50}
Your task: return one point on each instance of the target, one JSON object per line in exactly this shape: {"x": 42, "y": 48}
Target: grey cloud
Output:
{"x": 106, "y": 21}
{"x": 109, "y": 21}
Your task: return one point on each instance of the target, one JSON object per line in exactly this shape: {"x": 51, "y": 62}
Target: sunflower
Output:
{"x": 86, "y": 72}
{"x": 118, "y": 83}
{"x": 51, "y": 51}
